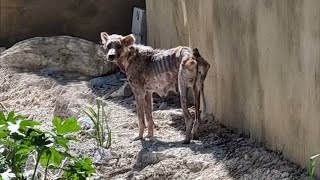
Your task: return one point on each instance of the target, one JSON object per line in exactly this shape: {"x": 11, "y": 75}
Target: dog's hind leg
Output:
{"x": 196, "y": 95}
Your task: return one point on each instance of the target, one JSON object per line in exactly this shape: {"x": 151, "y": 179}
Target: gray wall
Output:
{"x": 21, "y": 19}
{"x": 265, "y": 57}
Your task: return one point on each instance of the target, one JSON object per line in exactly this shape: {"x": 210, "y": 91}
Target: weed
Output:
{"x": 100, "y": 120}
{"x": 312, "y": 166}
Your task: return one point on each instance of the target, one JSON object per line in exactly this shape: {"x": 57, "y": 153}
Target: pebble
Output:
{"x": 163, "y": 106}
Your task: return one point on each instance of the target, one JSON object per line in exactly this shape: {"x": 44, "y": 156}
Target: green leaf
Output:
{"x": 24, "y": 150}
{"x": 33, "y": 132}
{"x": 42, "y": 140}
{"x": 18, "y": 117}
{"x": 83, "y": 167}
{"x": 73, "y": 138}
{"x": 29, "y": 123}
{"x": 4, "y": 132}
{"x": 70, "y": 125}
{"x": 51, "y": 157}
{"x": 45, "y": 157}
{"x": 62, "y": 141}
{"x": 109, "y": 139}
{"x": 87, "y": 161}
{"x": 66, "y": 154}
{"x": 56, "y": 157}
{"x": 56, "y": 122}
{"x": 10, "y": 117}
{"x": 9, "y": 143}
{"x": 2, "y": 118}
{"x": 94, "y": 114}
{"x": 87, "y": 165}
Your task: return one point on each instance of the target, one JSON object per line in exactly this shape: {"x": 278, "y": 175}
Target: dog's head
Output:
{"x": 116, "y": 45}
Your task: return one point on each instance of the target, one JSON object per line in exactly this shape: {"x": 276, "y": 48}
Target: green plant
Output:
{"x": 15, "y": 141}
{"x": 20, "y": 138}
{"x": 100, "y": 120}
{"x": 81, "y": 169}
{"x": 312, "y": 165}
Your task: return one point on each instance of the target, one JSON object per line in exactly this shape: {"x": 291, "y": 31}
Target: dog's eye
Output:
{"x": 109, "y": 46}
{"x": 118, "y": 46}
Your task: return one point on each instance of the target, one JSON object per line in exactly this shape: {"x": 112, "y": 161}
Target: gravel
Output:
{"x": 221, "y": 152}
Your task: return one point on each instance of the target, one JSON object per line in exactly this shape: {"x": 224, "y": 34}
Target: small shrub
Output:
{"x": 100, "y": 120}
{"x": 81, "y": 169}
{"x": 20, "y": 138}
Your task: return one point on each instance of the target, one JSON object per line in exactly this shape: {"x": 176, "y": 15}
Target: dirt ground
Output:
{"x": 221, "y": 152}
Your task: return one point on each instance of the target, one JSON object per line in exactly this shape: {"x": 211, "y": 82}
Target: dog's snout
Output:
{"x": 111, "y": 54}
{"x": 111, "y": 57}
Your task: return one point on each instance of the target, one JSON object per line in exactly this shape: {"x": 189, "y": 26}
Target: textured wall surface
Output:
{"x": 21, "y": 19}
{"x": 265, "y": 57}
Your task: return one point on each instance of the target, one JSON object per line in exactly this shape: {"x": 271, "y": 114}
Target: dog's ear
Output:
{"x": 128, "y": 40}
{"x": 104, "y": 37}
{"x": 196, "y": 53}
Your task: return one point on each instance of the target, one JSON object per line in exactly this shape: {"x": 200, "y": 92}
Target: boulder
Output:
{"x": 2, "y": 49}
{"x": 63, "y": 53}
{"x": 123, "y": 91}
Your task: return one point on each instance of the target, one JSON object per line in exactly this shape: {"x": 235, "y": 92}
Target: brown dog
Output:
{"x": 151, "y": 70}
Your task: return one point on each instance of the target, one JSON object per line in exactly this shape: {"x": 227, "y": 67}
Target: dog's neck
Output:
{"x": 131, "y": 54}
{"x": 125, "y": 58}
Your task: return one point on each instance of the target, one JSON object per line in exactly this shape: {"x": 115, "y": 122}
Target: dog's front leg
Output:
{"x": 148, "y": 114}
{"x": 140, "y": 98}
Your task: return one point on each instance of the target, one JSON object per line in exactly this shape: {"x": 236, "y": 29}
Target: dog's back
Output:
{"x": 161, "y": 67}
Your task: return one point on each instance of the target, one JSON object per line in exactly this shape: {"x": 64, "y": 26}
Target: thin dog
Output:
{"x": 151, "y": 70}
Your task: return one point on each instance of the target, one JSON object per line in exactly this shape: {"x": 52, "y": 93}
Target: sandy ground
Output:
{"x": 221, "y": 152}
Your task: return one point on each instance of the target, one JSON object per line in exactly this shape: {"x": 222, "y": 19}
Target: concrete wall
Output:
{"x": 265, "y": 57}
{"x": 21, "y": 19}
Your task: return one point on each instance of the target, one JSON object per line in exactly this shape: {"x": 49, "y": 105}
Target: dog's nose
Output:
{"x": 111, "y": 56}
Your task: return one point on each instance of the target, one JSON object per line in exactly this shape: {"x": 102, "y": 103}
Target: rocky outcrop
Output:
{"x": 2, "y": 49}
{"x": 63, "y": 53}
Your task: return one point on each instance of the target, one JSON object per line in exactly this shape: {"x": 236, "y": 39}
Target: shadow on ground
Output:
{"x": 240, "y": 156}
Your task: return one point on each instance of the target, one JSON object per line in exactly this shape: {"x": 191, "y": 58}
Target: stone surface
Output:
{"x": 102, "y": 155}
{"x": 28, "y": 175}
{"x": 85, "y": 19}
{"x": 68, "y": 107}
{"x": 163, "y": 106}
{"x": 106, "y": 85}
{"x": 2, "y": 49}
{"x": 85, "y": 123}
{"x": 265, "y": 64}
{"x": 124, "y": 91}
{"x": 63, "y": 53}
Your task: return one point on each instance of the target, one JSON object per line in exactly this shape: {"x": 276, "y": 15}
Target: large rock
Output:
{"x": 63, "y": 53}
{"x": 2, "y": 49}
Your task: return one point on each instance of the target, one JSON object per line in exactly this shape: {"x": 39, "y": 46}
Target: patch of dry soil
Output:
{"x": 221, "y": 153}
